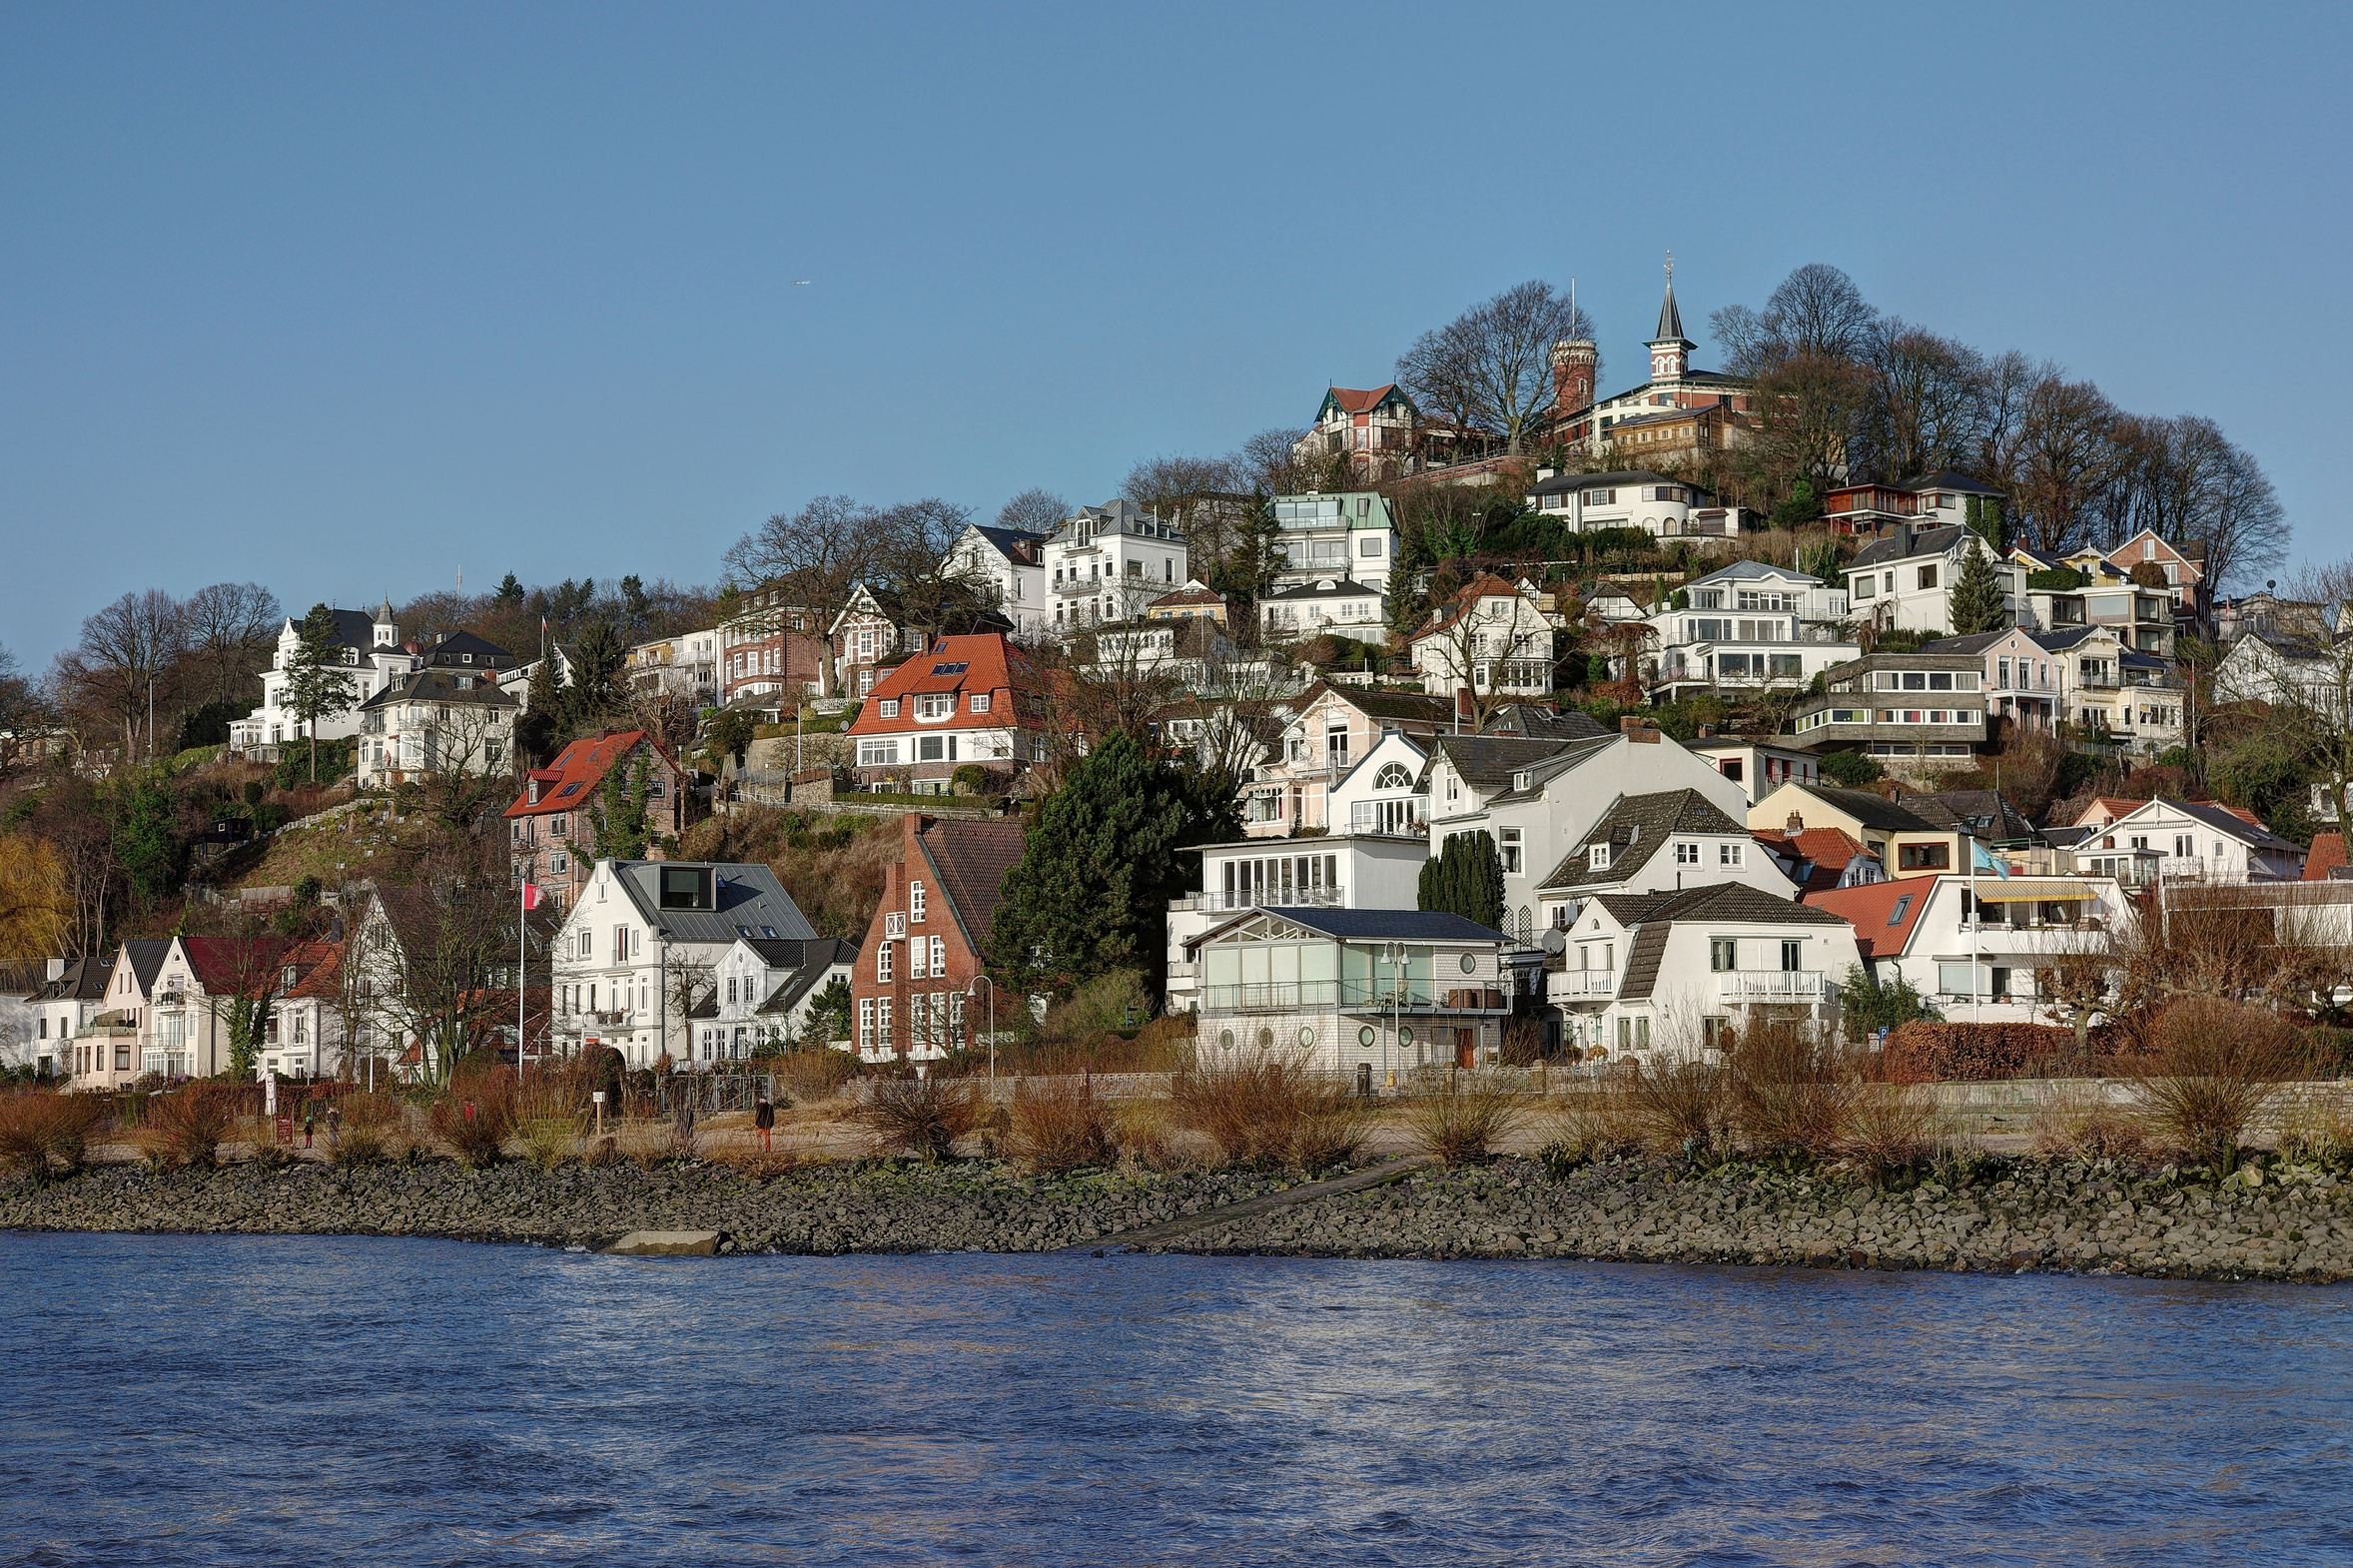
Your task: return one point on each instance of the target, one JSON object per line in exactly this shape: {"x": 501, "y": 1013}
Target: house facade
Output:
{"x": 763, "y": 990}
{"x": 73, "y": 993}
{"x": 1668, "y": 842}
{"x": 373, "y": 656}
{"x": 1008, "y": 566}
{"x": 554, "y": 815}
{"x": 1580, "y": 419}
{"x": 2193, "y": 841}
{"x": 1108, "y": 563}
{"x": 1494, "y": 638}
{"x": 919, "y": 990}
{"x": 1329, "y": 728}
{"x": 1748, "y": 625}
{"x": 1371, "y": 993}
{"x": 965, "y": 701}
{"x": 1661, "y": 506}
{"x": 1982, "y": 950}
{"x": 436, "y": 720}
{"x": 1350, "y": 537}
{"x": 1914, "y": 713}
{"x": 1351, "y": 871}
{"x": 684, "y": 666}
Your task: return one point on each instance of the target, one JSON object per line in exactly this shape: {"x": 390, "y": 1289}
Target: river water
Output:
{"x": 263, "y": 1400}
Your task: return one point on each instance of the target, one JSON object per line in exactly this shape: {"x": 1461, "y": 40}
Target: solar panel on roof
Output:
{"x": 951, "y": 669}
{"x": 566, "y": 790}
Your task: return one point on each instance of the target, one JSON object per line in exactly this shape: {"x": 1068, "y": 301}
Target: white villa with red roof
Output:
{"x": 966, "y": 701}
{"x": 551, "y": 815}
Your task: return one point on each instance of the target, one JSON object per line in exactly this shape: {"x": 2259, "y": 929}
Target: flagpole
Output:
{"x": 522, "y": 905}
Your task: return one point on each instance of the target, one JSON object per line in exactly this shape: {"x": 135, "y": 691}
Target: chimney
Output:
{"x": 1545, "y": 473}
{"x": 1795, "y": 826}
{"x": 1641, "y": 731}
{"x": 1707, "y": 732}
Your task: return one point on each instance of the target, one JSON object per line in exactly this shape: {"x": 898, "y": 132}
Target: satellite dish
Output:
{"x": 1554, "y": 942}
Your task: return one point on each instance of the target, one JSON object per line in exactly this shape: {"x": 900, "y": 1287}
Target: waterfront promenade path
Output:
{"x": 1144, "y": 1237}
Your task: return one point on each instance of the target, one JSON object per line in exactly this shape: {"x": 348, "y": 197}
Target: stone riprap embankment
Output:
{"x": 822, "y": 1210}
{"x": 2027, "y": 1215}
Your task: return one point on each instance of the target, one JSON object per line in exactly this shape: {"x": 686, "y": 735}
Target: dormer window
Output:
{"x": 1597, "y": 858}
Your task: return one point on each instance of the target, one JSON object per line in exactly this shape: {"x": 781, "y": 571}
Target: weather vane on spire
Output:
{"x": 1670, "y": 269}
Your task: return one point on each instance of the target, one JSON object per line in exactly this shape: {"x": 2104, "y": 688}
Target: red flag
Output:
{"x": 533, "y": 896}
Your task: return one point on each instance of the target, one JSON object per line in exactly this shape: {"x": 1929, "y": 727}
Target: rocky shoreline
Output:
{"x": 2008, "y": 1217}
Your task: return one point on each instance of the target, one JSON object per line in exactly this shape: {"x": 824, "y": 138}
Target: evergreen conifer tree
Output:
{"x": 1984, "y": 519}
{"x": 1465, "y": 878}
{"x": 317, "y": 681}
{"x": 535, "y": 727}
{"x": 1976, "y": 605}
{"x": 1098, "y": 865}
{"x": 510, "y": 592}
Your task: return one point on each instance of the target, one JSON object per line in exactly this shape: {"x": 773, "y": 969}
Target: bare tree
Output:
{"x": 227, "y": 624}
{"x": 1806, "y": 409}
{"x": 1494, "y": 362}
{"x": 2066, "y": 457}
{"x": 1268, "y": 463}
{"x": 822, "y": 552}
{"x": 1813, "y": 313}
{"x": 126, "y": 650}
{"x": 1034, "y": 511}
{"x": 1925, "y": 409}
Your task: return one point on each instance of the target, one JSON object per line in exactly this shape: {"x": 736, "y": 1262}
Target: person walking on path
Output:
{"x": 310, "y": 1110}
{"x": 764, "y": 1118}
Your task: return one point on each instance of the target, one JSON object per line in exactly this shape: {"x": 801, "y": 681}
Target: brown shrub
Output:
{"x": 815, "y": 1074}
{"x": 1890, "y": 1128}
{"x": 183, "y": 1129}
{"x": 476, "y": 1115}
{"x": 1588, "y": 1126}
{"x": 923, "y": 1117}
{"x": 1677, "y": 1107}
{"x": 1461, "y": 1123}
{"x": 2214, "y": 1067}
{"x": 1269, "y": 1112}
{"x": 549, "y": 1120}
{"x": 2076, "y": 1125}
{"x": 1974, "y": 1053}
{"x": 1058, "y": 1124}
{"x": 369, "y": 1127}
{"x": 1790, "y": 1090}
{"x": 41, "y": 1128}
{"x": 1145, "y": 1137}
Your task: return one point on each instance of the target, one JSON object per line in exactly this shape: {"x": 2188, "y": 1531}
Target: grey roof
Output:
{"x": 1982, "y": 813}
{"x": 1743, "y": 570}
{"x": 1928, "y": 541}
{"x": 1976, "y": 642}
{"x": 441, "y": 685}
{"x": 1415, "y": 705}
{"x": 1873, "y": 811}
{"x": 147, "y": 959}
{"x": 84, "y": 980}
{"x": 747, "y": 895}
{"x": 1341, "y": 588}
{"x": 446, "y": 650}
{"x": 1489, "y": 761}
{"x": 1655, "y": 915}
{"x": 1573, "y": 754}
{"x": 1636, "y": 826}
{"x": 352, "y": 629}
{"x": 1403, "y": 924}
{"x": 1537, "y": 722}
{"x": 1949, "y": 480}
{"x": 2238, "y": 827}
{"x": 1670, "y": 318}
{"x": 2065, "y": 838}
{"x": 809, "y": 963}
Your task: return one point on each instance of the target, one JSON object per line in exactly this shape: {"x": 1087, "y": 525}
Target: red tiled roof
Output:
{"x": 322, "y": 967}
{"x": 1827, "y": 849}
{"x": 580, "y": 767}
{"x": 1485, "y": 585}
{"x": 981, "y": 662}
{"x": 224, "y": 965}
{"x": 1868, "y": 910}
{"x": 1360, "y": 401}
{"x": 2243, "y": 814}
{"x": 970, "y": 860}
{"x": 2328, "y": 849}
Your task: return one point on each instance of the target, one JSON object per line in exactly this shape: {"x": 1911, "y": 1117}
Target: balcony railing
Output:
{"x": 1585, "y": 982}
{"x": 1260, "y": 898}
{"x": 1367, "y": 996}
{"x": 1772, "y": 985}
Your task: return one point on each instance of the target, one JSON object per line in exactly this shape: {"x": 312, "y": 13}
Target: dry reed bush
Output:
{"x": 184, "y": 1129}
{"x": 1268, "y": 1112}
{"x": 1789, "y": 1091}
{"x": 752, "y": 1161}
{"x": 548, "y": 1120}
{"x": 649, "y": 1142}
{"x": 2317, "y": 1130}
{"x": 816, "y": 1075}
{"x": 1591, "y": 1126}
{"x": 1146, "y": 1137}
{"x": 368, "y": 1128}
{"x": 2215, "y": 1068}
{"x": 2083, "y": 1125}
{"x": 1461, "y": 1122}
{"x": 1890, "y": 1128}
{"x": 1677, "y": 1107}
{"x": 1058, "y": 1124}
{"x": 474, "y": 1117}
{"x": 37, "y": 1130}
{"x": 923, "y": 1117}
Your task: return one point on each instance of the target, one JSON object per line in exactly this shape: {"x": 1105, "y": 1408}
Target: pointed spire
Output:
{"x": 385, "y": 615}
{"x": 1670, "y": 318}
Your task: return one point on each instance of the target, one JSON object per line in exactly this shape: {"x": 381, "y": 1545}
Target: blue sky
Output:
{"x": 347, "y": 300}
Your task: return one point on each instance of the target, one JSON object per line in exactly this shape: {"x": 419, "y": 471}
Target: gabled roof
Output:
{"x": 1977, "y": 642}
{"x": 2239, "y": 824}
{"x": 1014, "y": 544}
{"x": 1926, "y": 542}
{"x": 1873, "y": 811}
{"x": 1484, "y": 586}
{"x": 352, "y": 629}
{"x": 1824, "y": 851}
{"x": 146, "y": 956}
{"x": 1354, "y": 399}
{"x": 320, "y": 966}
{"x": 441, "y": 685}
{"x": 1635, "y": 827}
{"x": 968, "y": 862}
{"x": 226, "y": 965}
{"x": 1982, "y": 813}
{"x": 1412, "y": 707}
{"x": 748, "y": 896}
{"x": 84, "y": 980}
{"x": 1487, "y": 762}
{"x": 1657, "y": 916}
{"x": 1883, "y": 913}
{"x": 1536, "y": 722}
{"x": 578, "y": 769}
{"x": 450, "y": 649}
{"x": 1188, "y": 594}
{"x": 982, "y": 662}
{"x": 1753, "y": 571}
{"x": 2327, "y": 853}
{"x": 811, "y": 962}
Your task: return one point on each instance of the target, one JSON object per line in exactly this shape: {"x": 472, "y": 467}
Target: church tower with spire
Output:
{"x": 1670, "y": 350}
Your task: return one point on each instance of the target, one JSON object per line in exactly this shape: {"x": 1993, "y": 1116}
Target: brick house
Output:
{"x": 966, "y": 701}
{"x": 916, "y": 968}
{"x": 550, "y": 818}
{"x": 775, "y": 645}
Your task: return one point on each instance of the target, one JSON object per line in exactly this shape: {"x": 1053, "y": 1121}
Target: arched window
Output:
{"x": 1393, "y": 776}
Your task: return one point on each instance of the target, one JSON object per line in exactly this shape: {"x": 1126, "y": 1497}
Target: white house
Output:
{"x": 1539, "y": 798}
{"x": 1666, "y": 842}
{"x": 1904, "y": 580}
{"x": 2309, "y": 668}
{"x": 1358, "y": 871}
{"x": 2199, "y": 841}
{"x": 1755, "y": 766}
{"x": 1009, "y": 562}
{"x": 1747, "y": 626}
{"x": 1382, "y": 793}
{"x": 687, "y": 665}
{"x": 1370, "y": 992}
{"x": 1664, "y": 976}
{"x": 371, "y": 654}
{"x": 1312, "y": 607}
{"x": 640, "y": 948}
{"x": 1326, "y": 732}
{"x": 1351, "y": 535}
{"x": 1974, "y": 946}
{"x": 73, "y": 993}
{"x": 1661, "y": 506}
{"x": 1493, "y": 637}
{"x": 1108, "y": 563}
{"x": 762, "y": 991}
{"x": 436, "y": 721}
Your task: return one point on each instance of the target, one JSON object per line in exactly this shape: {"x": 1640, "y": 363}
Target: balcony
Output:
{"x": 1584, "y": 983}
{"x": 1353, "y": 996}
{"x": 1262, "y": 898}
{"x": 1772, "y": 984}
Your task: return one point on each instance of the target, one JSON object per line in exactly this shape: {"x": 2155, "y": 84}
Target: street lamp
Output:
{"x": 1394, "y": 955}
{"x": 984, "y": 979}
